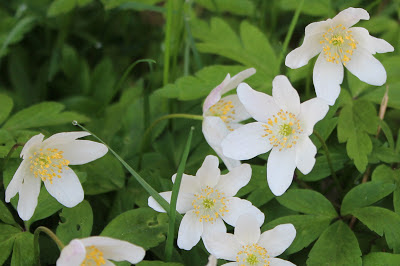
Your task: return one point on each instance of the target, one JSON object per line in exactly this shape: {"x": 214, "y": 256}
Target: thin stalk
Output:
{"x": 167, "y": 42}
{"x": 48, "y": 232}
{"x": 174, "y": 198}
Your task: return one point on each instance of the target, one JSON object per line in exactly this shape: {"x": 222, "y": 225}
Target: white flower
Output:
{"x": 339, "y": 43}
{"x": 97, "y": 250}
{"x": 248, "y": 247}
{"x": 207, "y": 200}
{"x": 48, "y": 161}
{"x": 283, "y": 126}
{"x": 223, "y": 115}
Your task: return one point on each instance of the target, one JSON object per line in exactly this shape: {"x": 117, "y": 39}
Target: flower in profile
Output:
{"x": 49, "y": 161}
{"x": 97, "y": 250}
{"x": 248, "y": 247}
{"x": 207, "y": 200}
{"x": 283, "y": 126}
{"x": 222, "y": 115}
{"x": 340, "y": 44}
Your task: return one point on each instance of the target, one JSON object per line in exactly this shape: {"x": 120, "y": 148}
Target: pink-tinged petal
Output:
{"x": 215, "y": 130}
{"x": 350, "y": 16}
{"x": 327, "y": 77}
{"x": 189, "y": 184}
{"x": 285, "y": 96}
{"x": 305, "y": 155}
{"x": 190, "y": 231}
{"x": 317, "y": 28}
{"x": 28, "y": 197}
{"x": 238, "y": 78}
{"x": 64, "y": 137}
{"x": 370, "y": 43}
{"x": 31, "y": 143}
{"x": 238, "y": 112}
{"x": 278, "y": 239}
{"x": 215, "y": 94}
{"x": 311, "y": 112}
{"x": 67, "y": 190}
{"x": 366, "y": 67}
{"x": 208, "y": 174}
{"x": 300, "y": 56}
{"x": 246, "y": 142}
{"x": 72, "y": 254}
{"x": 259, "y": 105}
{"x": 247, "y": 230}
{"x": 238, "y": 207}
{"x": 16, "y": 182}
{"x": 116, "y": 250}
{"x": 222, "y": 245}
{"x": 280, "y": 170}
{"x": 217, "y": 226}
{"x": 183, "y": 205}
{"x": 237, "y": 178}
{"x": 279, "y": 262}
{"x": 79, "y": 152}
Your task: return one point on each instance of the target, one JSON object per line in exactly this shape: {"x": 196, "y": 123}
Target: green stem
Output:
{"x": 289, "y": 33}
{"x": 36, "y": 241}
{"x": 167, "y": 42}
{"x": 174, "y": 198}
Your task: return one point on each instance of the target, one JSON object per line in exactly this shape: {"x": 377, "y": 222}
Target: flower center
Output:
{"x": 252, "y": 255}
{"x": 283, "y": 130}
{"x": 338, "y": 44}
{"x": 209, "y": 204}
{"x": 225, "y": 110}
{"x": 94, "y": 257}
{"x": 48, "y": 163}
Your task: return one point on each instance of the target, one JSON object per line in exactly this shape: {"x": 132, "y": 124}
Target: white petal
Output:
{"x": 366, "y": 67}
{"x": 190, "y": 231}
{"x": 311, "y": 112}
{"x": 31, "y": 143}
{"x": 237, "y": 207}
{"x": 109, "y": 263}
{"x": 81, "y": 151}
{"x": 189, "y": 184}
{"x": 183, "y": 204}
{"x": 279, "y": 262}
{"x": 215, "y": 94}
{"x": 247, "y": 230}
{"x": 350, "y": 16}
{"x": 67, "y": 190}
{"x": 238, "y": 78}
{"x": 215, "y": 130}
{"x": 327, "y": 77}
{"x": 217, "y": 226}
{"x": 72, "y": 254}
{"x": 278, "y": 239}
{"x": 16, "y": 182}
{"x": 222, "y": 245}
{"x": 246, "y": 142}
{"x": 212, "y": 261}
{"x": 209, "y": 172}
{"x": 28, "y": 197}
{"x": 285, "y": 96}
{"x": 237, "y": 178}
{"x": 239, "y": 111}
{"x": 280, "y": 170}
{"x": 114, "y": 249}
{"x": 370, "y": 43}
{"x": 305, "y": 155}
{"x": 260, "y": 106}
{"x": 231, "y": 264}
{"x": 64, "y": 137}
{"x": 300, "y": 56}
{"x": 317, "y": 28}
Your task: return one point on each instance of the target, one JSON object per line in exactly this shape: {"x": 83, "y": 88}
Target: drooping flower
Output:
{"x": 49, "y": 161}
{"x": 207, "y": 200}
{"x": 283, "y": 126}
{"x": 340, "y": 44}
{"x": 223, "y": 115}
{"x": 97, "y": 250}
{"x": 248, "y": 247}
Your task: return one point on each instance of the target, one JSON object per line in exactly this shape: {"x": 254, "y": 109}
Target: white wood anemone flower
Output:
{"x": 49, "y": 161}
{"x": 283, "y": 126}
{"x": 207, "y": 200}
{"x": 248, "y": 247}
{"x": 222, "y": 115}
{"x": 339, "y": 44}
{"x": 97, "y": 250}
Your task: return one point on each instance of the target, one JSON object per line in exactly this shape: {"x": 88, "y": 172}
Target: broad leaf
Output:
{"x": 381, "y": 259}
{"x": 238, "y": 7}
{"x": 58, "y": 7}
{"x": 23, "y": 250}
{"x": 6, "y": 105}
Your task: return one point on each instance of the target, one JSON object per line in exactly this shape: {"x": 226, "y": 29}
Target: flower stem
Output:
{"x": 36, "y": 241}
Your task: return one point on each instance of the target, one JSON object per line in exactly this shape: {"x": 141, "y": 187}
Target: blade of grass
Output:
{"x": 167, "y": 42}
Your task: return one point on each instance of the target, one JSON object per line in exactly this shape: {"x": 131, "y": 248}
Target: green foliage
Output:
{"x": 310, "y": 7}
{"x": 5, "y": 214}
{"x": 380, "y": 259}
{"x": 8, "y": 234}
{"x": 64, "y": 6}
{"x": 6, "y": 105}
{"x": 238, "y": 7}
{"x": 23, "y": 250}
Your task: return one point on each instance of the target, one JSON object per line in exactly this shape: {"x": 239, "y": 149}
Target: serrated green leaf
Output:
{"x": 6, "y": 105}
{"x": 358, "y": 147}
{"x": 365, "y": 194}
{"x": 337, "y": 245}
{"x": 237, "y": 7}
{"x": 23, "y": 250}
{"x": 321, "y": 167}
{"x": 59, "y": 7}
{"x": 381, "y": 259}
{"x": 143, "y": 227}
{"x": 307, "y": 201}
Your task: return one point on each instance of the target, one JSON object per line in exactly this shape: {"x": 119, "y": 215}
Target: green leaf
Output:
{"x": 23, "y": 250}
{"x": 102, "y": 81}
{"x": 365, "y": 194}
{"x": 157, "y": 263}
{"x": 382, "y": 221}
{"x": 47, "y": 206}
{"x": 59, "y": 7}
{"x": 75, "y": 222}
{"x": 7, "y": 237}
{"x": 143, "y": 227}
{"x": 310, "y": 7}
{"x": 308, "y": 202}
{"x": 321, "y": 167}
{"x": 5, "y": 214}
{"x": 381, "y": 259}
{"x": 42, "y": 114}
{"x": 140, "y": 4}
{"x": 6, "y": 105}
{"x": 337, "y": 245}
{"x": 237, "y": 7}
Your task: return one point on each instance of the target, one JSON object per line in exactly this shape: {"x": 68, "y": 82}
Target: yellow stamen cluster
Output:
{"x": 225, "y": 110}
{"x": 252, "y": 255}
{"x": 48, "y": 164}
{"x": 209, "y": 204}
{"x": 94, "y": 257}
{"x": 282, "y": 130}
{"x": 339, "y": 44}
